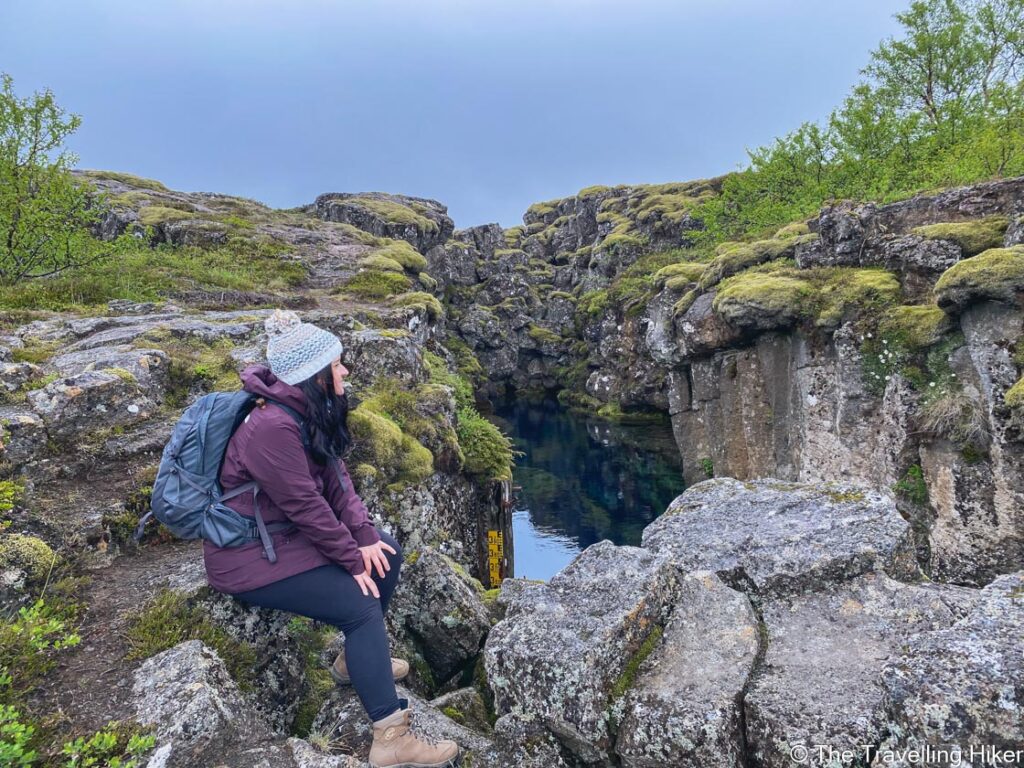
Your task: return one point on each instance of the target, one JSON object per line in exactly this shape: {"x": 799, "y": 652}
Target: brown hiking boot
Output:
{"x": 339, "y": 670}
{"x": 396, "y": 746}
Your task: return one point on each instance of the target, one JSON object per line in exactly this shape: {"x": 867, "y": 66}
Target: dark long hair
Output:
{"x": 326, "y": 416}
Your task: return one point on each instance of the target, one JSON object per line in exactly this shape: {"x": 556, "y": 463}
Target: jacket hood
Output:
{"x": 261, "y": 381}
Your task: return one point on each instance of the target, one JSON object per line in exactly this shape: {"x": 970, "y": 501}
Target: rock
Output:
{"x": 776, "y": 538}
{"x": 376, "y": 353}
{"x": 684, "y": 708}
{"x": 14, "y": 376}
{"x": 22, "y": 435}
{"x": 437, "y": 608}
{"x": 148, "y": 366}
{"x": 562, "y": 646}
{"x": 196, "y": 708}
{"x": 420, "y": 222}
{"x": 819, "y": 682}
{"x": 279, "y": 670}
{"x": 700, "y": 330}
{"x": 343, "y": 719}
{"x": 963, "y": 685}
{"x": 465, "y": 706}
{"x": 453, "y": 263}
{"x": 90, "y": 403}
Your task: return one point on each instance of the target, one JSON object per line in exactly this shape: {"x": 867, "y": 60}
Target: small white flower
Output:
{"x": 931, "y": 384}
{"x": 885, "y": 341}
{"x": 888, "y": 377}
{"x": 869, "y": 334}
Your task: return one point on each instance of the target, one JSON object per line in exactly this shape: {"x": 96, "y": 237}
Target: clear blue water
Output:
{"x": 582, "y": 480}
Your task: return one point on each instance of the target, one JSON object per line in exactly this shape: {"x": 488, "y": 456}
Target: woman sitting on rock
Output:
{"x": 332, "y": 565}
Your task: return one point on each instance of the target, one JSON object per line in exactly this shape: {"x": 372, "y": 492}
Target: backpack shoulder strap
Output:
{"x": 303, "y": 430}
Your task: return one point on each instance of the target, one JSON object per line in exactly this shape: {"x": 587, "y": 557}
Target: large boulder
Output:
{"x": 819, "y": 682}
{"x": 90, "y": 403}
{"x": 197, "y": 710}
{"x": 421, "y": 222}
{"x": 148, "y": 366}
{"x": 962, "y": 686}
{"x": 684, "y": 708}
{"x": 437, "y": 609}
{"x": 562, "y": 646}
{"x": 776, "y": 538}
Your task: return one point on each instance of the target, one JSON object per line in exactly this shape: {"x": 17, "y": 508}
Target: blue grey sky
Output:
{"x": 485, "y": 105}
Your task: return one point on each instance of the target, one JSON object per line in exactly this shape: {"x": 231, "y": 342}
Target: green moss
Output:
{"x": 675, "y": 276}
{"x": 1015, "y": 395}
{"x": 672, "y": 207}
{"x": 997, "y": 274}
{"x": 427, "y": 281}
{"x": 539, "y": 210}
{"x": 128, "y": 178}
{"x": 377, "y": 261}
{"x": 842, "y": 292}
{"x": 767, "y": 298}
{"x": 466, "y": 362}
{"x": 543, "y": 335}
{"x": 732, "y": 258}
{"x": 793, "y": 230}
{"x": 685, "y": 302}
{"x": 403, "y": 253}
{"x": 123, "y": 374}
{"x": 627, "y": 678}
{"x": 420, "y": 300}
{"x": 972, "y": 236}
{"x": 395, "y": 213}
{"x": 912, "y": 486}
{"x": 513, "y": 236}
{"x": 844, "y": 497}
{"x": 400, "y": 457}
{"x": 593, "y": 190}
{"x": 11, "y": 492}
{"x": 617, "y": 241}
{"x": 593, "y": 303}
{"x": 411, "y": 556}
{"x": 34, "y": 353}
{"x": 376, "y": 284}
{"x": 915, "y": 326}
{"x": 26, "y": 553}
{"x": 170, "y": 619}
{"x": 562, "y": 295}
{"x": 707, "y": 466}
{"x": 153, "y": 215}
{"x": 614, "y": 412}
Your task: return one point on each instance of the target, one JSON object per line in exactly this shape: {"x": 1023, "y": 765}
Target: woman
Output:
{"x": 332, "y": 565}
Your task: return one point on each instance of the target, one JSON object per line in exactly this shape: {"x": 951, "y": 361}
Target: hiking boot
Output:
{"x": 339, "y": 670}
{"x": 395, "y": 745}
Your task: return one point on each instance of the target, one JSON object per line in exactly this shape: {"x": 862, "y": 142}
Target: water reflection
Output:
{"x": 583, "y": 480}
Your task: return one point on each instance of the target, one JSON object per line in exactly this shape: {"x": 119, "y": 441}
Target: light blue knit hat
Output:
{"x": 296, "y": 350}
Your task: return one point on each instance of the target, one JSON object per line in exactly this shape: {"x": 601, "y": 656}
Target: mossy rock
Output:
{"x": 916, "y": 326}
{"x": 400, "y": 457}
{"x": 732, "y": 258}
{"x": 395, "y": 213}
{"x": 543, "y": 335}
{"x": 762, "y": 300}
{"x": 685, "y": 302}
{"x": 849, "y": 291}
{"x": 376, "y": 284}
{"x": 377, "y": 261}
{"x": 420, "y": 300}
{"x": 26, "y": 553}
{"x": 682, "y": 273}
{"x": 427, "y": 280}
{"x": 154, "y": 215}
{"x": 128, "y": 178}
{"x": 11, "y": 492}
{"x": 404, "y": 254}
{"x": 972, "y": 236}
{"x": 995, "y": 275}
{"x": 1015, "y": 395}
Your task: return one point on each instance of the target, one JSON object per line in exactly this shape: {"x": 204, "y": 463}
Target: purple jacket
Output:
{"x": 331, "y": 522}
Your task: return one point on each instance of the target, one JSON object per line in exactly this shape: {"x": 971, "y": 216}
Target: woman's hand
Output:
{"x": 367, "y": 584}
{"x": 374, "y": 555}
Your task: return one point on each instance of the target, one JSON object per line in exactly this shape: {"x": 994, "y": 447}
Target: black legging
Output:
{"x": 330, "y": 594}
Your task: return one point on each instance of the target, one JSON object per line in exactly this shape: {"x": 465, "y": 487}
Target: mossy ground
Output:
{"x": 171, "y": 618}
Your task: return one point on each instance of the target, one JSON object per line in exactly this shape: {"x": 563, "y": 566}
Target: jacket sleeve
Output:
{"x": 348, "y": 506}
{"x": 277, "y": 461}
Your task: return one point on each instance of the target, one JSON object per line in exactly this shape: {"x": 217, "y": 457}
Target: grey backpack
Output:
{"x": 187, "y": 495}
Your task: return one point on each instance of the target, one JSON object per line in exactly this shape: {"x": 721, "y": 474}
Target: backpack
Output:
{"x": 187, "y": 495}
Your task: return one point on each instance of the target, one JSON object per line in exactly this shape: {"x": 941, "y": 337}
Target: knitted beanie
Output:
{"x": 296, "y": 350}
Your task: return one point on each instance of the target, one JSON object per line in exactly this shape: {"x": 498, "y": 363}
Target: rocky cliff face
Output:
{"x": 874, "y": 343}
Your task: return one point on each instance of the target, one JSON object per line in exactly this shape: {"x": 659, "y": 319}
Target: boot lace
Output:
{"x": 414, "y": 726}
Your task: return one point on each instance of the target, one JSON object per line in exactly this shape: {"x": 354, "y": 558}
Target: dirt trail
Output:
{"x": 92, "y": 682}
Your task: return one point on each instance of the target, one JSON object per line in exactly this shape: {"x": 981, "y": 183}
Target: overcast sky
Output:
{"x": 485, "y": 105}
